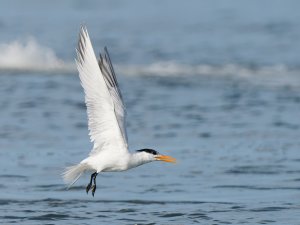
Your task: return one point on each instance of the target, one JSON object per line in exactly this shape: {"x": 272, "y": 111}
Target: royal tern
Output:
{"x": 106, "y": 119}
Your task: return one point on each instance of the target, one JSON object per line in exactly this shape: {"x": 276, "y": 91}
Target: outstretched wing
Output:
{"x": 105, "y": 107}
{"x": 113, "y": 87}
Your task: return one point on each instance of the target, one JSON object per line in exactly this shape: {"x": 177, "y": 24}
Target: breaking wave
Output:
{"x": 30, "y": 56}
{"x": 177, "y": 69}
{"x": 274, "y": 75}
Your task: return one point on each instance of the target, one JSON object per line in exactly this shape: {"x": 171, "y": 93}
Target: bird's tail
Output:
{"x": 72, "y": 173}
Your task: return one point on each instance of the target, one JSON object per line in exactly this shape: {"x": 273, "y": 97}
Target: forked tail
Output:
{"x": 72, "y": 173}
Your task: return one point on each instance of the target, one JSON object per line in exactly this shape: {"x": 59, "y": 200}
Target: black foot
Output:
{"x": 94, "y": 189}
{"x": 90, "y": 186}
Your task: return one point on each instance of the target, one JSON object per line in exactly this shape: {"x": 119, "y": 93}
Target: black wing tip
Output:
{"x": 81, "y": 43}
{"x": 103, "y": 55}
{"x": 83, "y": 32}
{"x": 80, "y": 49}
{"x": 83, "y": 27}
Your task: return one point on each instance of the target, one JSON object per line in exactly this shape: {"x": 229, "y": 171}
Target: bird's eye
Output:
{"x": 154, "y": 152}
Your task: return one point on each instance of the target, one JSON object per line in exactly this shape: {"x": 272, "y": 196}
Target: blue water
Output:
{"x": 213, "y": 83}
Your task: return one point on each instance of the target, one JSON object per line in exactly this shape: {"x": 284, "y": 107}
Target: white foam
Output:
{"x": 30, "y": 56}
{"x": 274, "y": 75}
{"x": 177, "y": 69}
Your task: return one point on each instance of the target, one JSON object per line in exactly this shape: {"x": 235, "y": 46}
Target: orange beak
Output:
{"x": 166, "y": 158}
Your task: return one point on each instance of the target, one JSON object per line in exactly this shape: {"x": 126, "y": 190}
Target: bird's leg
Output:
{"x": 94, "y": 186}
{"x": 88, "y": 187}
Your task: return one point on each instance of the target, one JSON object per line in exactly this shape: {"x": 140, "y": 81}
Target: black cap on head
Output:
{"x": 148, "y": 150}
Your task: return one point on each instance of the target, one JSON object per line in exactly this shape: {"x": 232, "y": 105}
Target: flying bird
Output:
{"x": 106, "y": 119}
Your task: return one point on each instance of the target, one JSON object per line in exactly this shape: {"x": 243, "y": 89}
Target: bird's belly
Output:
{"x": 115, "y": 165}
{"x": 109, "y": 162}
{"x": 114, "y": 168}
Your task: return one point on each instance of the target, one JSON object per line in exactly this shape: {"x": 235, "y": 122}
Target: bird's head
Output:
{"x": 152, "y": 155}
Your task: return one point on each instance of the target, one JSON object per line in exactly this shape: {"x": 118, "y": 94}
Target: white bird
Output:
{"x": 106, "y": 119}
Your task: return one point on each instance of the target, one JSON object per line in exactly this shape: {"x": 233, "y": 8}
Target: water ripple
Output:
{"x": 50, "y": 216}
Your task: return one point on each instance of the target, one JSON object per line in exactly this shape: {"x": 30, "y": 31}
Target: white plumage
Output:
{"x": 106, "y": 119}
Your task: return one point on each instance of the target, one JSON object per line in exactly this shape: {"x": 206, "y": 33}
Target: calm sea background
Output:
{"x": 215, "y": 84}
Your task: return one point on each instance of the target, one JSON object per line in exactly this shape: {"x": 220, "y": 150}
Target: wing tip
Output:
{"x": 104, "y": 55}
{"x": 82, "y": 41}
{"x": 105, "y": 49}
{"x": 83, "y": 28}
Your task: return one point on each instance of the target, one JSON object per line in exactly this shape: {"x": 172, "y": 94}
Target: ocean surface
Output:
{"x": 215, "y": 84}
